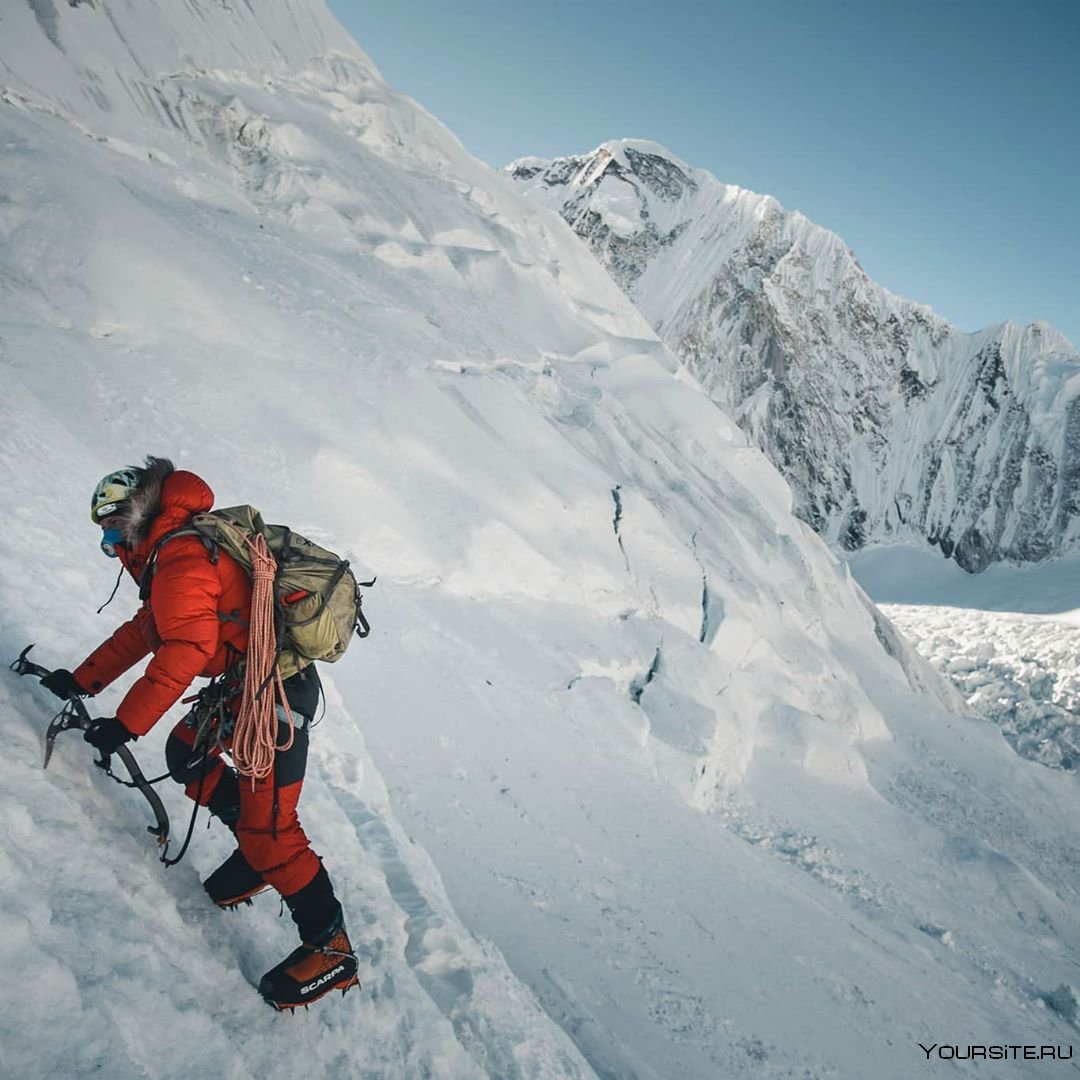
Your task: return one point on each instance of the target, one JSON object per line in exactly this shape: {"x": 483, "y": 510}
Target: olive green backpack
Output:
{"x": 317, "y": 600}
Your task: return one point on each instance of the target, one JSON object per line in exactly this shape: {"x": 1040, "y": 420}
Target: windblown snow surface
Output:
{"x": 630, "y": 780}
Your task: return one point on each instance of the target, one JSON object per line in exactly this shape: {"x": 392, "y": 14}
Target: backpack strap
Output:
{"x": 147, "y": 578}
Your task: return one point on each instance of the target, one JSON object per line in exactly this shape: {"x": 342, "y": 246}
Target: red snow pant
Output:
{"x": 267, "y": 828}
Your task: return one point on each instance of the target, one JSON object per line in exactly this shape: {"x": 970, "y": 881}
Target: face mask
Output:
{"x": 111, "y": 539}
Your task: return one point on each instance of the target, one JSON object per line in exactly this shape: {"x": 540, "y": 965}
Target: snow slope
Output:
{"x": 889, "y": 423}
{"x": 630, "y": 780}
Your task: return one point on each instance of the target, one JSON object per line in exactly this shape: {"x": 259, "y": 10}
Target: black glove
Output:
{"x": 106, "y": 733}
{"x": 62, "y": 683}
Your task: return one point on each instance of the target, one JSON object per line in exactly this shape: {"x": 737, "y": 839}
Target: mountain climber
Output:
{"x": 194, "y": 619}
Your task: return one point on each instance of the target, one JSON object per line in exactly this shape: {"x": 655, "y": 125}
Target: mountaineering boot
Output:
{"x": 325, "y": 963}
{"x": 234, "y": 882}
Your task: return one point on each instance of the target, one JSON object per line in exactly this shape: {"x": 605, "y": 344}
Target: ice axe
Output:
{"x": 74, "y": 715}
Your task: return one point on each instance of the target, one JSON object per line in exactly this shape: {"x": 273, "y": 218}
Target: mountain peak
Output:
{"x": 626, "y": 150}
{"x": 824, "y": 368}
{"x": 661, "y": 172}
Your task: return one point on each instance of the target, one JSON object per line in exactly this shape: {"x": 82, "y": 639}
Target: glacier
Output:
{"x": 890, "y": 424}
{"x": 631, "y": 780}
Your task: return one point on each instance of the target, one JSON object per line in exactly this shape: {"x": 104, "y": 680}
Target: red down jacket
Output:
{"x": 196, "y": 608}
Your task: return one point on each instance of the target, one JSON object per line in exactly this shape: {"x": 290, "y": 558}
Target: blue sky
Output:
{"x": 939, "y": 138}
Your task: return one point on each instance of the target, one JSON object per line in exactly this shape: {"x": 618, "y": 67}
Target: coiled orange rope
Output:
{"x": 255, "y": 735}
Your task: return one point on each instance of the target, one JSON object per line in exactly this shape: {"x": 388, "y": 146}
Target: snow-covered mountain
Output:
{"x": 630, "y": 780}
{"x": 889, "y": 423}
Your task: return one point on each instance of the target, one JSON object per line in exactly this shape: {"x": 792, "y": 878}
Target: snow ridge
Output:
{"x": 888, "y": 422}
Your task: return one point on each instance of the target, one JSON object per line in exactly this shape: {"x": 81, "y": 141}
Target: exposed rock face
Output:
{"x": 889, "y": 422}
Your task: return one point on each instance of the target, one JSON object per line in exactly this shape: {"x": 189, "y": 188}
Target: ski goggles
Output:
{"x": 111, "y": 539}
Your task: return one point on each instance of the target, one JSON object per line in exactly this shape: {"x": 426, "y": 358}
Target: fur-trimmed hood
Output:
{"x": 164, "y": 500}
{"x": 137, "y": 514}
